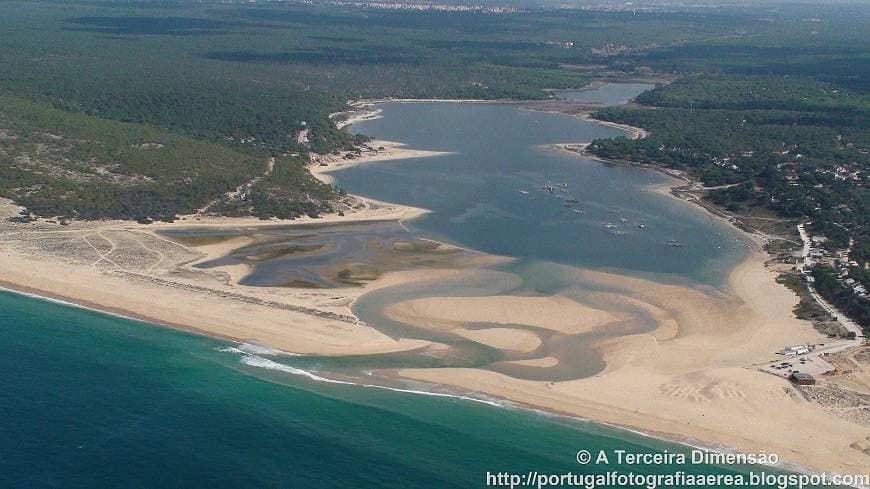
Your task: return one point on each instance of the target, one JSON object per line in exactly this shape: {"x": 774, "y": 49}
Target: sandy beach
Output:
{"x": 634, "y": 132}
{"x": 376, "y": 150}
{"x": 690, "y": 378}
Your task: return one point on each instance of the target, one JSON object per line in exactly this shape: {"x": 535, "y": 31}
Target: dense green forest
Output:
{"x": 832, "y": 289}
{"x": 238, "y": 81}
{"x": 789, "y": 148}
{"x": 75, "y": 165}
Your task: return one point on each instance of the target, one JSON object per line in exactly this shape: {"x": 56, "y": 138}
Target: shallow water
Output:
{"x": 488, "y": 195}
{"x": 609, "y": 94}
{"x": 307, "y": 255}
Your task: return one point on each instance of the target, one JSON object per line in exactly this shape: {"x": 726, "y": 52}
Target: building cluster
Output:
{"x": 840, "y": 260}
{"x": 611, "y": 49}
{"x": 561, "y": 44}
{"x": 795, "y": 350}
{"x": 726, "y": 162}
{"x": 843, "y": 173}
{"x": 443, "y": 7}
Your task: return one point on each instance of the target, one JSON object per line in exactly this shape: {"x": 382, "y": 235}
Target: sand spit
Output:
{"x": 561, "y": 315}
{"x": 376, "y": 150}
{"x": 692, "y": 377}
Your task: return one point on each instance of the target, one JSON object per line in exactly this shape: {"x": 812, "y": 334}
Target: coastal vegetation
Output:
{"x": 73, "y": 165}
{"x": 776, "y": 148}
{"x": 832, "y": 289}
{"x": 244, "y": 80}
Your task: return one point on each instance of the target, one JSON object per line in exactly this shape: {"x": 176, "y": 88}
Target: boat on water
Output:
{"x": 578, "y": 211}
{"x": 675, "y": 243}
{"x": 641, "y": 226}
{"x": 609, "y": 225}
{"x": 524, "y": 192}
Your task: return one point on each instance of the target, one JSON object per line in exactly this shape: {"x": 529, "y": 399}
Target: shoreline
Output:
{"x": 693, "y": 384}
{"x": 508, "y": 404}
{"x": 460, "y": 394}
{"x": 684, "y": 187}
{"x": 348, "y": 342}
{"x": 321, "y": 165}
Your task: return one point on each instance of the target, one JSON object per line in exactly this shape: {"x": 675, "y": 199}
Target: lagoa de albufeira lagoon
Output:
{"x": 493, "y": 310}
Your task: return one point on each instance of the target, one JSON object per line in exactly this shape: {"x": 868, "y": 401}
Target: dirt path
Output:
{"x": 234, "y": 194}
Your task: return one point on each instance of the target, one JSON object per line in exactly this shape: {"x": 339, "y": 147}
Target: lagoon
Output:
{"x": 488, "y": 196}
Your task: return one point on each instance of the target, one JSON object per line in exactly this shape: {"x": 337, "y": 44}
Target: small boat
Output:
{"x": 524, "y": 192}
{"x": 618, "y": 233}
{"x": 641, "y": 226}
{"x": 675, "y": 243}
{"x": 622, "y": 219}
{"x": 609, "y": 225}
{"x": 572, "y": 201}
{"x": 578, "y": 211}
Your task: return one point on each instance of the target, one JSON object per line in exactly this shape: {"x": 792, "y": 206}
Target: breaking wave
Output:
{"x": 260, "y": 362}
{"x": 256, "y": 349}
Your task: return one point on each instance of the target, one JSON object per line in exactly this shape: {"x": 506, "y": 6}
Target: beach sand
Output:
{"x": 561, "y": 314}
{"x": 694, "y": 381}
{"x": 322, "y": 165}
{"x": 691, "y": 378}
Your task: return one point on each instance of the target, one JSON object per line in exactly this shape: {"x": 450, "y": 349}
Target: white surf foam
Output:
{"x": 256, "y": 361}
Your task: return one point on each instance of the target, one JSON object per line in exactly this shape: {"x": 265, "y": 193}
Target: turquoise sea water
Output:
{"x": 95, "y": 401}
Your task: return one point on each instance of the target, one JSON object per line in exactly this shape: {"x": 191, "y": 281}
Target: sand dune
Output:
{"x": 557, "y": 314}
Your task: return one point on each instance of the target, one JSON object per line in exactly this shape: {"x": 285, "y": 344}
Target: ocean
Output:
{"x": 97, "y": 401}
